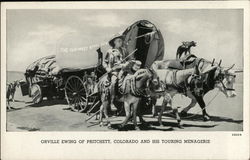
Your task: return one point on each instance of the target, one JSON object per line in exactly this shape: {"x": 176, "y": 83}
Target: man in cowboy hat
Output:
{"x": 113, "y": 63}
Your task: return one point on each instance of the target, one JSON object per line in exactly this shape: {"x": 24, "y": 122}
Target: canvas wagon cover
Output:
{"x": 71, "y": 54}
{"x": 46, "y": 65}
{"x": 144, "y": 36}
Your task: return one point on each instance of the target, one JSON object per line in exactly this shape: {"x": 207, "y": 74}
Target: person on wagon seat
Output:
{"x": 113, "y": 63}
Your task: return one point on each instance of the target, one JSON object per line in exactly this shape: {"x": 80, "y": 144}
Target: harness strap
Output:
{"x": 178, "y": 86}
{"x": 229, "y": 89}
{"x": 137, "y": 92}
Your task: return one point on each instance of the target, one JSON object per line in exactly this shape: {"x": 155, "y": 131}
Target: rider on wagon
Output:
{"x": 113, "y": 63}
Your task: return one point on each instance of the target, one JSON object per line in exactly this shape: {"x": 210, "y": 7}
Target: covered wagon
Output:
{"x": 76, "y": 64}
{"x": 41, "y": 77}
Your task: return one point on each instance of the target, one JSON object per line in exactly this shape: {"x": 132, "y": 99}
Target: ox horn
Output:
{"x": 220, "y": 62}
{"x": 230, "y": 67}
{"x": 212, "y": 62}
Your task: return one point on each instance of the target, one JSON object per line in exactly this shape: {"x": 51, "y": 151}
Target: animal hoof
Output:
{"x": 180, "y": 126}
{"x": 109, "y": 125}
{"x": 183, "y": 114}
{"x": 120, "y": 126}
{"x": 206, "y": 118}
{"x": 101, "y": 124}
{"x": 137, "y": 128}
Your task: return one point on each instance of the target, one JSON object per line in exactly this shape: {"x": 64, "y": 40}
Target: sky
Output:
{"x": 32, "y": 34}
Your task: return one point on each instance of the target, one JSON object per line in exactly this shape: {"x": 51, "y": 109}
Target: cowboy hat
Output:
{"x": 111, "y": 41}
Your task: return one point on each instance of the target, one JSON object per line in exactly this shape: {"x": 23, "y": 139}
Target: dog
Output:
{"x": 10, "y": 92}
{"x": 184, "y": 48}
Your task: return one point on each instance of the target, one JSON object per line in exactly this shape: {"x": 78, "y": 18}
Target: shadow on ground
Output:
{"x": 29, "y": 129}
{"x": 46, "y": 103}
{"x": 147, "y": 126}
{"x": 198, "y": 117}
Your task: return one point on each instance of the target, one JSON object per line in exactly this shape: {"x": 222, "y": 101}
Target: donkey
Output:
{"x": 10, "y": 92}
{"x": 136, "y": 88}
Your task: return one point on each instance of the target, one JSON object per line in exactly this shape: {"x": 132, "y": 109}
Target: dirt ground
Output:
{"x": 226, "y": 115}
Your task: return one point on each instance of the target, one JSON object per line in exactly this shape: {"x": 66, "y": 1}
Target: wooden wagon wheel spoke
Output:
{"x": 69, "y": 85}
{"x": 73, "y": 83}
{"x": 77, "y": 105}
{"x": 75, "y": 93}
{"x": 81, "y": 104}
{"x": 36, "y": 93}
{"x": 69, "y": 89}
{"x": 82, "y": 89}
{"x": 76, "y": 85}
{"x": 72, "y": 101}
{"x": 84, "y": 99}
{"x": 84, "y": 94}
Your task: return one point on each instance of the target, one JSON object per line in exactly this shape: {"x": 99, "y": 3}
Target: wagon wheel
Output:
{"x": 36, "y": 93}
{"x": 75, "y": 93}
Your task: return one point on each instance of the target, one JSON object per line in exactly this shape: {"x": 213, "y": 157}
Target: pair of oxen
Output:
{"x": 192, "y": 77}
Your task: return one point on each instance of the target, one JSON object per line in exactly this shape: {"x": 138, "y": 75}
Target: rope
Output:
{"x": 143, "y": 35}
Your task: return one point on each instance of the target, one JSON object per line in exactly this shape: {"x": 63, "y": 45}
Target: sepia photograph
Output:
{"x": 97, "y": 70}
{"x": 125, "y": 80}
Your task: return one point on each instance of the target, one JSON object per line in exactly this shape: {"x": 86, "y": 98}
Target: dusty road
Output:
{"x": 227, "y": 115}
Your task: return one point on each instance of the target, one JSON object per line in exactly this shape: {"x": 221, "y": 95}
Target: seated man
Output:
{"x": 112, "y": 64}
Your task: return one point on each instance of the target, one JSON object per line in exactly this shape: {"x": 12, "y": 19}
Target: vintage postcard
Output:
{"x": 125, "y": 80}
